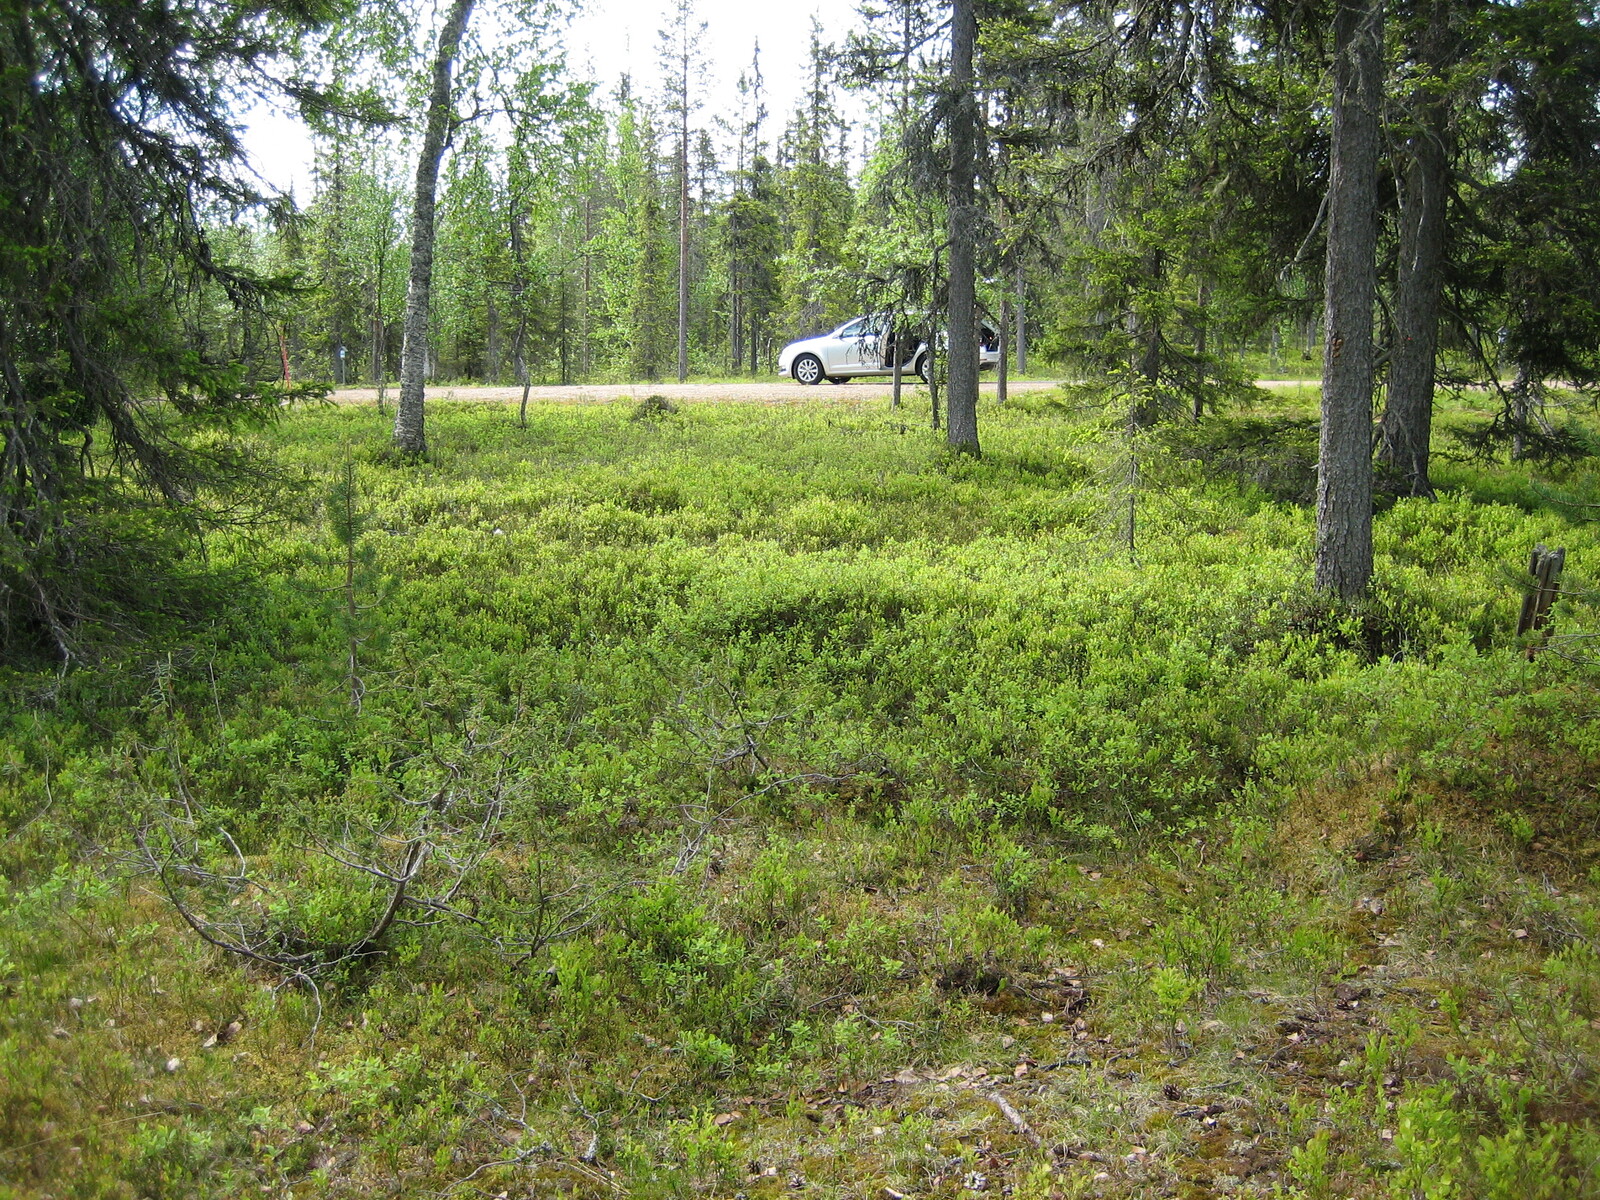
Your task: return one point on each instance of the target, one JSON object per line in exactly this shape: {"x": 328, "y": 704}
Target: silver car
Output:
{"x": 866, "y": 347}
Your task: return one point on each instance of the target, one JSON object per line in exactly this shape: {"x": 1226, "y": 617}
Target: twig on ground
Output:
{"x": 1018, "y": 1121}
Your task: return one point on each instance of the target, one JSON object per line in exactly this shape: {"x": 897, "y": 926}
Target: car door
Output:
{"x": 842, "y": 355}
{"x": 862, "y": 353}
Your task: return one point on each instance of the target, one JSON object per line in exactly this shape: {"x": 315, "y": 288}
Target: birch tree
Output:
{"x": 409, "y": 434}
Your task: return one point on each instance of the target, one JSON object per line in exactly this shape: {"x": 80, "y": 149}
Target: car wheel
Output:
{"x": 807, "y": 369}
{"x": 922, "y": 367}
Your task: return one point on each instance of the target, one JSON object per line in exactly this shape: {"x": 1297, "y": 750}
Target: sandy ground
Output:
{"x": 735, "y": 393}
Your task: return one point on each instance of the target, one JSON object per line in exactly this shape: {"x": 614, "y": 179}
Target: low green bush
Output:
{"x": 766, "y": 755}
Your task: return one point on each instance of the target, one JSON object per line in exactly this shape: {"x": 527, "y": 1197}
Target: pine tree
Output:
{"x": 750, "y": 225}
{"x": 1424, "y": 195}
{"x": 814, "y": 182}
{"x": 1344, "y": 459}
{"x": 634, "y": 250}
{"x": 681, "y": 64}
{"x": 962, "y": 401}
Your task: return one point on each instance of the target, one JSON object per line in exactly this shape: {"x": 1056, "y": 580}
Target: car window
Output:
{"x": 853, "y": 330}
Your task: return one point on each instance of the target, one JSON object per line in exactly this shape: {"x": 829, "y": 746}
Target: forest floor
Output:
{"x": 787, "y": 807}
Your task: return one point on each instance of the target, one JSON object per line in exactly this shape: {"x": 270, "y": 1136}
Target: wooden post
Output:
{"x": 1544, "y": 565}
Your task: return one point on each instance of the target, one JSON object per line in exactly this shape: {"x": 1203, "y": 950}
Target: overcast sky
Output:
{"x": 620, "y": 35}
{"x": 609, "y": 38}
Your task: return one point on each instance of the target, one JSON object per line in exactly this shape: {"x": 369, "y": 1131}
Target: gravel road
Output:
{"x": 728, "y": 393}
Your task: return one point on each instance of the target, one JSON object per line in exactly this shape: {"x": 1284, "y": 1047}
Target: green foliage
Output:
{"x": 1200, "y": 945}
{"x": 787, "y": 755}
{"x": 1449, "y": 1147}
{"x": 1278, "y": 456}
{"x": 106, "y": 269}
{"x": 1016, "y": 873}
{"x": 1173, "y": 990}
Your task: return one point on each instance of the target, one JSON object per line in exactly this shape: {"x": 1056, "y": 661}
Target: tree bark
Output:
{"x": 586, "y": 348}
{"x": 1408, "y": 415}
{"x": 409, "y": 434}
{"x": 683, "y": 245}
{"x": 1201, "y": 329}
{"x": 1147, "y": 341}
{"x": 1000, "y": 371}
{"x": 379, "y": 375}
{"x": 1344, "y": 463}
{"x": 961, "y": 403}
{"x": 1527, "y": 410}
{"x": 380, "y": 335}
{"x": 1022, "y": 322}
{"x": 491, "y": 349}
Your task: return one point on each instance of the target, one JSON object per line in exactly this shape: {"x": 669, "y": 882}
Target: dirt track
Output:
{"x": 737, "y": 393}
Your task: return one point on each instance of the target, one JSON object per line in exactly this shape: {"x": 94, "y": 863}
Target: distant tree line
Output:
{"x": 608, "y": 239}
{"x": 1409, "y": 189}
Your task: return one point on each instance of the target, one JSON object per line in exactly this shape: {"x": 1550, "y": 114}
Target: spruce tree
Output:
{"x": 118, "y": 145}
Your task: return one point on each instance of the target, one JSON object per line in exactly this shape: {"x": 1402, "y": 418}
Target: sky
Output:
{"x": 610, "y": 38}
{"x": 620, "y": 35}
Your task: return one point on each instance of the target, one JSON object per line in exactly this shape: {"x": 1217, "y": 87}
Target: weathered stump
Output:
{"x": 1544, "y": 565}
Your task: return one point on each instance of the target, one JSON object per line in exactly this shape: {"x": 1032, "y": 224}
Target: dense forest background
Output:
{"x": 559, "y": 233}
{"x": 1153, "y": 201}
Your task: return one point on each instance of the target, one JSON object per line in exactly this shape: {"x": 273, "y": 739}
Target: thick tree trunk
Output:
{"x": 961, "y": 403}
{"x": 1408, "y": 415}
{"x": 1344, "y": 464}
{"x": 1527, "y": 410}
{"x": 409, "y": 434}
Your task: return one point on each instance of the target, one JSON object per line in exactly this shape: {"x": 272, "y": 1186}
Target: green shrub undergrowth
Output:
{"x": 765, "y": 757}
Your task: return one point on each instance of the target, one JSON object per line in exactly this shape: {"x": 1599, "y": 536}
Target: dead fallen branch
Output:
{"x": 1018, "y": 1121}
